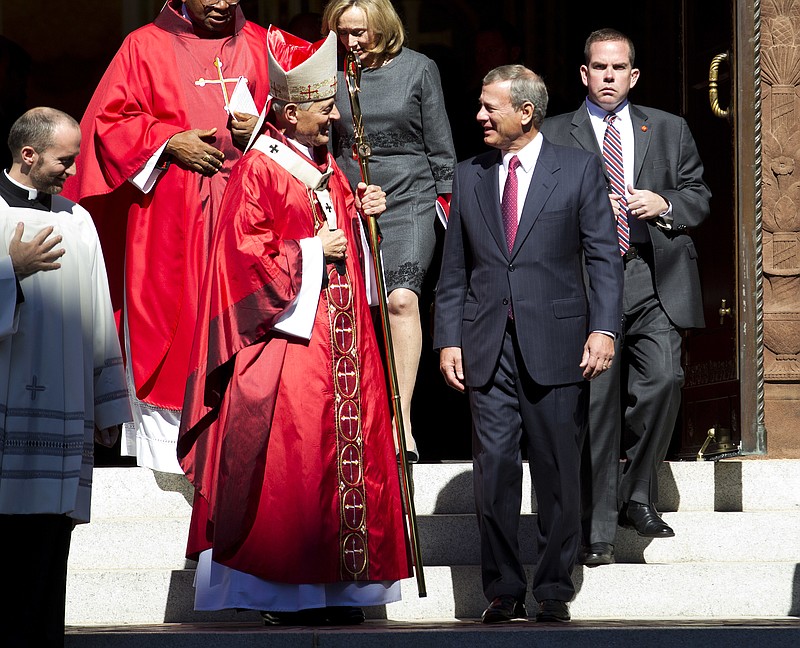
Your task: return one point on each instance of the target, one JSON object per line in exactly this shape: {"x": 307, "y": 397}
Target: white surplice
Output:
{"x": 61, "y": 368}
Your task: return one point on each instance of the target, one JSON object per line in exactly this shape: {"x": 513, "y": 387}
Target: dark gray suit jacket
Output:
{"x": 665, "y": 162}
{"x": 566, "y": 214}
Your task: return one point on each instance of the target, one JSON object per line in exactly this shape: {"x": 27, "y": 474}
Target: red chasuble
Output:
{"x": 148, "y": 94}
{"x": 288, "y": 441}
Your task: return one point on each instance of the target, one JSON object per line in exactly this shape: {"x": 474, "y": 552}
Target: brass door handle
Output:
{"x": 724, "y": 310}
{"x": 713, "y": 93}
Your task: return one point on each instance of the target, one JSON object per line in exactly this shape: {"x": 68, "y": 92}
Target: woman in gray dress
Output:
{"x": 412, "y": 160}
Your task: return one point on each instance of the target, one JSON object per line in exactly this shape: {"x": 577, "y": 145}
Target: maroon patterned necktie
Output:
{"x": 612, "y": 154}
{"x": 509, "y": 203}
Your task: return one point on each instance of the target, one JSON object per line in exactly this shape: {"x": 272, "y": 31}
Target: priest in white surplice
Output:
{"x": 62, "y": 384}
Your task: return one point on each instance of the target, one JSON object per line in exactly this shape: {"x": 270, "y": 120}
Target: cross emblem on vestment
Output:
{"x": 353, "y": 507}
{"x": 273, "y": 148}
{"x": 222, "y": 81}
{"x": 309, "y": 92}
{"x": 354, "y": 554}
{"x": 353, "y": 551}
{"x": 349, "y": 419}
{"x": 328, "y": 208}
{"x": 341, "y": 331}
{"x": 339, "y": 286}
{"x": 346, "y": 375}
{"x": 35, "y": 387}
{"x": 351, "y": 466}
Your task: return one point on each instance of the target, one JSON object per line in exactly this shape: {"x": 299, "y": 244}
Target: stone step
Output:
{"x": 728, "y": 485}
{"x": 626, "y": 591}
{"x": 622, "y": 591}
{"x": 735, "y": 554}
{"x": 139, "y": 493}
{"x": 778, "y": 633}
{"x": 699, "y": 537}
{"x": 130, "y": 543}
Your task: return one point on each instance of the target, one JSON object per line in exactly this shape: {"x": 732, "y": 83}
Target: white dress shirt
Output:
{"x": 528, "y": 156}
{"x": 624, "y": 125}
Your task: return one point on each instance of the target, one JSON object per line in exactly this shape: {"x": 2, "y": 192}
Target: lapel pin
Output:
{"x": 644, "y": 129}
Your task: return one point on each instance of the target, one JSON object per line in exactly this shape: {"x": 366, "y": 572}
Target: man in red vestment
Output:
{"x": 286, "y": 433}
{"x": 171, "y": 116}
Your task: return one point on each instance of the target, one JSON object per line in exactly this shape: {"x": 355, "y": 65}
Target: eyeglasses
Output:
{"x": 214, "y": 3}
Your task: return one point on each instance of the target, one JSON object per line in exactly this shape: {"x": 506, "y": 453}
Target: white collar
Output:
{"x": 32, "y": 193}
{"x": 309, "y": 152}
{"x": 527, "y": 155}
{"x": 622, "y": 111}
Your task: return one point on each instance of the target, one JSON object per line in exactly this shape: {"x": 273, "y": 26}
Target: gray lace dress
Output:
{"x": 412, "y": 157}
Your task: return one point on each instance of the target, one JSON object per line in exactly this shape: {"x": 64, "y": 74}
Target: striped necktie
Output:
{"x": 612, "y": 154}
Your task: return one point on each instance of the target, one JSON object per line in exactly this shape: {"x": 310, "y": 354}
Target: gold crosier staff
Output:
{"x": 362, "y": 151}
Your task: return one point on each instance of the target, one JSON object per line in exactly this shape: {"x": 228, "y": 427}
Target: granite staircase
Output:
{"x": 735, "y": 559}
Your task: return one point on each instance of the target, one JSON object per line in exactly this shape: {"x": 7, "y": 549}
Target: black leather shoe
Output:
{"x": 645, "y": 520}
{"x": 310, "y": 617}
{"x": 552, "y": 610}
{"x": 344, "y": 615}
{"x": 597, "y": 553}
{"x": 504, "y": 608}
{"x": 334, "y": 615}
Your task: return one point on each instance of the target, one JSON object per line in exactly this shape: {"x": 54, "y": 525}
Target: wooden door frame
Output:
{"x": 746, "y": 73}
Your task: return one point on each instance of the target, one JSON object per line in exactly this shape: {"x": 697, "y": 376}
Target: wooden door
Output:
{"x": 711, "y": 391}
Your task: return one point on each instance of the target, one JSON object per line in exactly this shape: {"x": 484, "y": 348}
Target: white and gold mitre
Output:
{"x": 298, "y": 70}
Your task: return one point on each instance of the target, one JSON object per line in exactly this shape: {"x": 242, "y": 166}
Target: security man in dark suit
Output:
{"x": 633, "y": 407}
{"x": 519, "y": 330}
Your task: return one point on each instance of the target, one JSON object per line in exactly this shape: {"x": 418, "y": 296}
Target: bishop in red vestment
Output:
{"x": 286, "y": 433}
{"x": 159, "y": 141}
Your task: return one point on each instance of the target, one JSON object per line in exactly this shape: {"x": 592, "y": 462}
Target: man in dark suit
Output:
{"x": 519, "y": 330}
{"x": 664, "y": 197}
